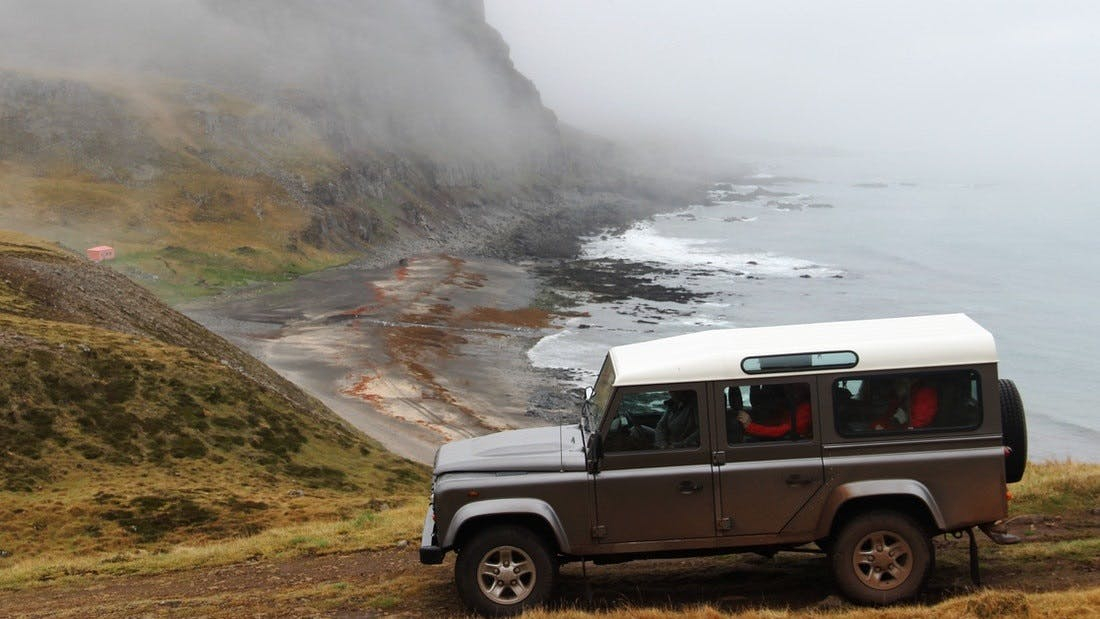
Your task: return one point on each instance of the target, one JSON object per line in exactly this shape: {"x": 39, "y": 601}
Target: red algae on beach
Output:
{"x": 437, "y": 314}
{"x": 361, "y": 310}
{"x": 529, "y": 317}
{"x": 421, "y": 320}
{"x": 361, "y": 389}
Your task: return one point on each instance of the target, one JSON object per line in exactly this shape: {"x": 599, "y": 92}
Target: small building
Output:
{"x": 100, "y": 253}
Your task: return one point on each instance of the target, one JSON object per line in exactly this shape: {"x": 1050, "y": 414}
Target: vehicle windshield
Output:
{"x": 601, "y": 396}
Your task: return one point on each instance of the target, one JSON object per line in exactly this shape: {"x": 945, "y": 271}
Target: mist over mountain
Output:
{"x": 424, "y": 78}
{"x": 218, "y": 142}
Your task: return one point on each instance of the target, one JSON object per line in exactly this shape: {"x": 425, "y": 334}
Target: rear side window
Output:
{"x": 768, "y": 412}
{"x": 873, "y": 404}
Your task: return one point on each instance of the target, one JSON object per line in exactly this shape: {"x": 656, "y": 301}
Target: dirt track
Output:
{"x": 392, "y": 582}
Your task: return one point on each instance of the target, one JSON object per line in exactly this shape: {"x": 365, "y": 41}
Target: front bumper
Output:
{"x": 430, "y": 552}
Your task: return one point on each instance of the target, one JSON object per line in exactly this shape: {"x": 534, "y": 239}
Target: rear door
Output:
{"x": 769, "y": 449}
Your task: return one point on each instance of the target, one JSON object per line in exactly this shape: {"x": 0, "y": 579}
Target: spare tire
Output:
{"x": 1014, "y": 430}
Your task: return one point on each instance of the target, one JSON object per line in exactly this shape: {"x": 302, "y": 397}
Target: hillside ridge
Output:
{"x": 123, "y": 423}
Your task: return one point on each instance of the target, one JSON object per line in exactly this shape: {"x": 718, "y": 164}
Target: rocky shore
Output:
{"x": 425, "y": 341}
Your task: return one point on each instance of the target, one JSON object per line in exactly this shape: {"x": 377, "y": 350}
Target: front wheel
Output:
{"x": 881, "y": 558}
{"x": 503, "y": 571}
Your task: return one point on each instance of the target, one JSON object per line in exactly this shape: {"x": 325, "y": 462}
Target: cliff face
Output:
{"x": 219, "y": 141}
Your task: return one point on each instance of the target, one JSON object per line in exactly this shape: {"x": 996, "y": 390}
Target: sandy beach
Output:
{"x": 415, "y": 355}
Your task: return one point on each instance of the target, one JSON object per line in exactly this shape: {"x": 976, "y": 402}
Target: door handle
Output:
{"x": 798, "y": 480}
{"x": 689, "y": 487}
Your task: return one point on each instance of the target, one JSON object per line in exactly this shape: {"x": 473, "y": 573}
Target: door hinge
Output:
{"x": 599, "y": 531}
{"x": 725, "y": 524}
{"x": 718, "y": 458}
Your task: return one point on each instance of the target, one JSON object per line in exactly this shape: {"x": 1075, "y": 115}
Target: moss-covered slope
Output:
{"x": 124, "y": 423}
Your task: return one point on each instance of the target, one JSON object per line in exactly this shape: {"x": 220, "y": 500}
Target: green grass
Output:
{"x": 1056, "y": 487}
{"x": 178, "y": 274}
{"x": 1085, "y": 551}
{"x": 115, "y": 441}
{"x": 322, "y": 536}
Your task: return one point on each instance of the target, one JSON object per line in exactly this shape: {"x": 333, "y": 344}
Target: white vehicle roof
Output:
{"x": 884, "y": 344}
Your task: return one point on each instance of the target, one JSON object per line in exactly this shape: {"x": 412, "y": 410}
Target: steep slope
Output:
{"x": 123, "y": 422}
{"x": 215, "y": 143}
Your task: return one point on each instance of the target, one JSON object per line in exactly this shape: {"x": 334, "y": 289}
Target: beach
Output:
{"x": 416, "y": 354}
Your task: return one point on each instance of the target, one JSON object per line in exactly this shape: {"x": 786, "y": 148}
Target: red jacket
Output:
{"x": 802, "y": 422}
{"x": 923, "y": 405}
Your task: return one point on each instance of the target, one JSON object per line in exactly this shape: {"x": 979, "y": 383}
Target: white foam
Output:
{"x": 706, "y": 321}
{"x": 567, "y": 349}
{"x": 642, "y": 243}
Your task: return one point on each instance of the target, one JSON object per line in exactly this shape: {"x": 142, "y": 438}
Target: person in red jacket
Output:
{"x": 799, "y": 393}
{"x": 914, "y": 405}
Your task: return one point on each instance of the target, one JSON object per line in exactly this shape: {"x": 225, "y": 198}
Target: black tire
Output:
{"x": 1014, "y": 430}
{"x": 881, "y": 557}
{"x": 512, "y": 551}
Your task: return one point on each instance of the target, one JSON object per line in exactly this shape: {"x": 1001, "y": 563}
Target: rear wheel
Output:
{"x": 504, "y": 570}
{"x": 881, "y": 558}
{"x": 1014, "y": 430}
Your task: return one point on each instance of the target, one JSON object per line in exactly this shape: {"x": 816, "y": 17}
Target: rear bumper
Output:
{"x": 430, "y": 552}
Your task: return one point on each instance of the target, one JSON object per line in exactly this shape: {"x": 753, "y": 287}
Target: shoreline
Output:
{"x": 415, "y": 356}
{"x": 416, "y": 346}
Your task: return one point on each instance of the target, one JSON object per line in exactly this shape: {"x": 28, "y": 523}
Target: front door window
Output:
{"x": 658, "y": 419}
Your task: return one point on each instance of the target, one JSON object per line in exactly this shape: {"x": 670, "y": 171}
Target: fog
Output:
{"x": 977, "y": 90}
{"x": 426, "y": 78}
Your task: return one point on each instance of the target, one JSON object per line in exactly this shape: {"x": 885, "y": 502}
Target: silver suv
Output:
{"x": 865, "y": 438}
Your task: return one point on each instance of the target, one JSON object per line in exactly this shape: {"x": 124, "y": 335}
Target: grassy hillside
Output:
{"x": 194, "y": 188}
{"x": 123, "y": 424}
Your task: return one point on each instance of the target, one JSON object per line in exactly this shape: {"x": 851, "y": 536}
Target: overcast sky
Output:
{"x": 998, "y": 87}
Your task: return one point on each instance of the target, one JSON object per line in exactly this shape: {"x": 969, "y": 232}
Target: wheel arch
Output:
{"x": 907, "y": 496}
{"x": 533, "y": 514}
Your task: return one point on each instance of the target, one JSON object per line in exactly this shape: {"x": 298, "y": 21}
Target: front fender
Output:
{"x": 878, "y": 488}
{"x": 505, "y": 507}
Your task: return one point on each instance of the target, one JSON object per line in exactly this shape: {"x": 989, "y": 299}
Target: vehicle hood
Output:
{"x": 532, "y": 449}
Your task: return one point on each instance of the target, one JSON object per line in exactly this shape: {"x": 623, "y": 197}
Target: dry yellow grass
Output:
{"x": 368, "y": 530}
{"x": 986, "y": 604}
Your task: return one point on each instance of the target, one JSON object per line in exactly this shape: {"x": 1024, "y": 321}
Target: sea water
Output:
{"x": 1017, "y": 256}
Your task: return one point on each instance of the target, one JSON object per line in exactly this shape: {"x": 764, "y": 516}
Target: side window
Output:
{"x": 768, "y": 412}
{"x": 912, "y": 402}
{"x": 657, "y": 419}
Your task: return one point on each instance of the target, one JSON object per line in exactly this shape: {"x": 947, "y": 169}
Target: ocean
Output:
{"x": 1016, "y": 256}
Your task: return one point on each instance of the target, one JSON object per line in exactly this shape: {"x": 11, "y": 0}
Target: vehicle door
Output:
{"x": 769, "y": 454}
{"x": 655, "y": 480}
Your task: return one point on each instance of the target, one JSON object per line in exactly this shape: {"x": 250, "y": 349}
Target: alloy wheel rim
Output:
{"x": 882, "y": 560}
{"x": 506, "y": 575}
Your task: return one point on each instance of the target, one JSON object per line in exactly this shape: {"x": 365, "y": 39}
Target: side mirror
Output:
{"x": 588, "y": 391}
{"x": 594, "y": 453}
